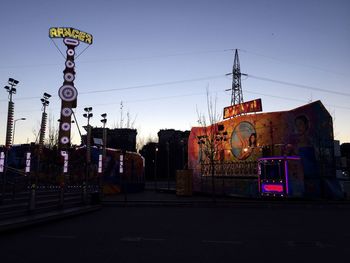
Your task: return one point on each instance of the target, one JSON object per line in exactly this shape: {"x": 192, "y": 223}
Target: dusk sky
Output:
{"x": 159, "y": 57}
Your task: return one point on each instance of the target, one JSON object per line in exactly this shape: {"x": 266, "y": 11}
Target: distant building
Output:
{"x": 148, "y": 152}
{"x": 124, "y": 139}
{"x": 171, "y": 151}
{"x": 345, "y": 155}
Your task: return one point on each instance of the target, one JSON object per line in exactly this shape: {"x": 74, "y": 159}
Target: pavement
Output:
{"x": 186, "y": 234}
{"x": 35, "y": 219}
{"x": 166, "y": 197}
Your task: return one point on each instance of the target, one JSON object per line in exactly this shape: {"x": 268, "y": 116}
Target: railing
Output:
{"x": 231, "y": 169}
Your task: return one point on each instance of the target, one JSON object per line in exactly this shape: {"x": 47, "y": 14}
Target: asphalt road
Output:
{"x": 187, "y": 234}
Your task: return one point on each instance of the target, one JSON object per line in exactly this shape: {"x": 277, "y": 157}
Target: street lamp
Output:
{"x": 168, "y": 162}
{"x": 155, "y": 168}
{"x": 14, "y": 128}
{"x": 10, "y": 113}
{"x": 104, "y": 120}
{"x": 45, "y": 102}
{"x": 87, "y": 115}
{"x": 104, "y": 141}
{"x": 182, "y": 142}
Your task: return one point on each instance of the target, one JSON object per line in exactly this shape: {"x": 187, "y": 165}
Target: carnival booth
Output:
{"x": 281, "y": 176}
{"x": 286, "y": 153}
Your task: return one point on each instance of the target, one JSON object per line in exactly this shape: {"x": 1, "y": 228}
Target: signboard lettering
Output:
{"x": 69, "y": 32}
{"x": 246, "y": 107}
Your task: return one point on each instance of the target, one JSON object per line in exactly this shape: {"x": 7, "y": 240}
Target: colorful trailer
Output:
{"x": 281, "y": 176}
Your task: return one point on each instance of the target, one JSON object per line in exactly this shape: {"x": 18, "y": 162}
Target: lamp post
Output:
{"x": 104, "y": 121}
{"x": 10, "y": 113}
{"x": 168, "y": 163}
{"x": 155, "y": 169}
{"x": 45, "y": 102}
{"x": 11, "y": 90}
{"x": 88, "y": 115}
{"x": 104, "y": 142}
{"x": 182, "y": 154}
{"x": 14, "y": 128}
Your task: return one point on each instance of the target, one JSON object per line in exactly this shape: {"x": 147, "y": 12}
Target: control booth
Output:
{"x": 280, "y": 176}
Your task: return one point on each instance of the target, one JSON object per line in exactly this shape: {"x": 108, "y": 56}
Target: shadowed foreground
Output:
{"x": 184, "y": 234}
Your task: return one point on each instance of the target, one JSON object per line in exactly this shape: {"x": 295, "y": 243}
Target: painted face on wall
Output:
{"x": 242, "y": 140}
{"x": 301, "y": 124}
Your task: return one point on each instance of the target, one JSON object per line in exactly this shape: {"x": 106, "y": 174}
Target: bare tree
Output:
{"x": 36, "y": 131}
{"x": 209, "y": 140}
{"x": 143, "y": 140}
{"x": 129, "y": 124}
{"x": 53, "y": 129}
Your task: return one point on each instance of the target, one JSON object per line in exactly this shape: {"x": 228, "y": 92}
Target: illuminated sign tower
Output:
{"x": 67, "y": 92}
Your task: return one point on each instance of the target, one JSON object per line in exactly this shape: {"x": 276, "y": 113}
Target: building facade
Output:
{"x": 306, "y": 132}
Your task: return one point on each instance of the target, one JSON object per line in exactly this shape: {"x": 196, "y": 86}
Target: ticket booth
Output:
{"x": 280, "y": 176}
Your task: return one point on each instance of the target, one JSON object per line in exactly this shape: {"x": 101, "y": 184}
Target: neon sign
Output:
{"x": 272, "y": 188}
{"x": 246, "y": 107}
{"x": 67, "y": 92}
{"x": 69, "y": 32}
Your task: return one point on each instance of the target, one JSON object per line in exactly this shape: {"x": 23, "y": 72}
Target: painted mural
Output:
{"x": 306, "y": 132}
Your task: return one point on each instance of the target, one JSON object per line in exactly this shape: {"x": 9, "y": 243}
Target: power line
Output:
{"x": 294, "y": 63}
{"x": 155, "y": 57}
{"x": 299, "y": 85}
{"x": 200, "y": 94}
{"x": 200, "y": 79}
{"x": 274, "y": 96}
{"x": 135, "y": 87}
{"x": 24, "y": 98}
{"x": 103, "y": 60}
{"x": 295, "y": 99}
{"x": 154, "y": 84}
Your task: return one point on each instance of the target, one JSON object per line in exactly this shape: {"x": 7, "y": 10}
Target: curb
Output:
{"x": 224, "y": 203}
{"x": 29, "y": 220}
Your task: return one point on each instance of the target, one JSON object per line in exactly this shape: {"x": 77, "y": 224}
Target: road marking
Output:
{"x": 308, "y": 244}
{"x": 230, "y": 242}
{"x": 323, "y": 245}
{"x": 131, "y": 239}
{"x": 139, "y": 239}
{"x": 153, "y": 239}
{"x": 58, "y": 237}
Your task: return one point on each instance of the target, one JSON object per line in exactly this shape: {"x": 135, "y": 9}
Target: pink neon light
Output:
{"x": 273, "y": 188}
{"x": 280, "y": 158}
{"x": 286, "y": 176}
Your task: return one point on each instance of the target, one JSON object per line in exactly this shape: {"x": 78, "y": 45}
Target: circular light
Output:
{"x": 66, "y": 112}
{"x": 69, "y": 77}
{"x": 65, "y": 126}
{"x": 68, "y": 93}
{"x": 70, "y": 52}
{"x": 71, "y": 41}
{"x": 64, "y": 140}
{"x": 70, "y": 64}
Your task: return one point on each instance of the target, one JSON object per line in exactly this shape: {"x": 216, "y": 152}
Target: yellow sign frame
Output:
{"x": 69, "y": 32}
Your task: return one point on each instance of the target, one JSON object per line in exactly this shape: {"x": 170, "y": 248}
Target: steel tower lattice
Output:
{"x": 237, "y": 95}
